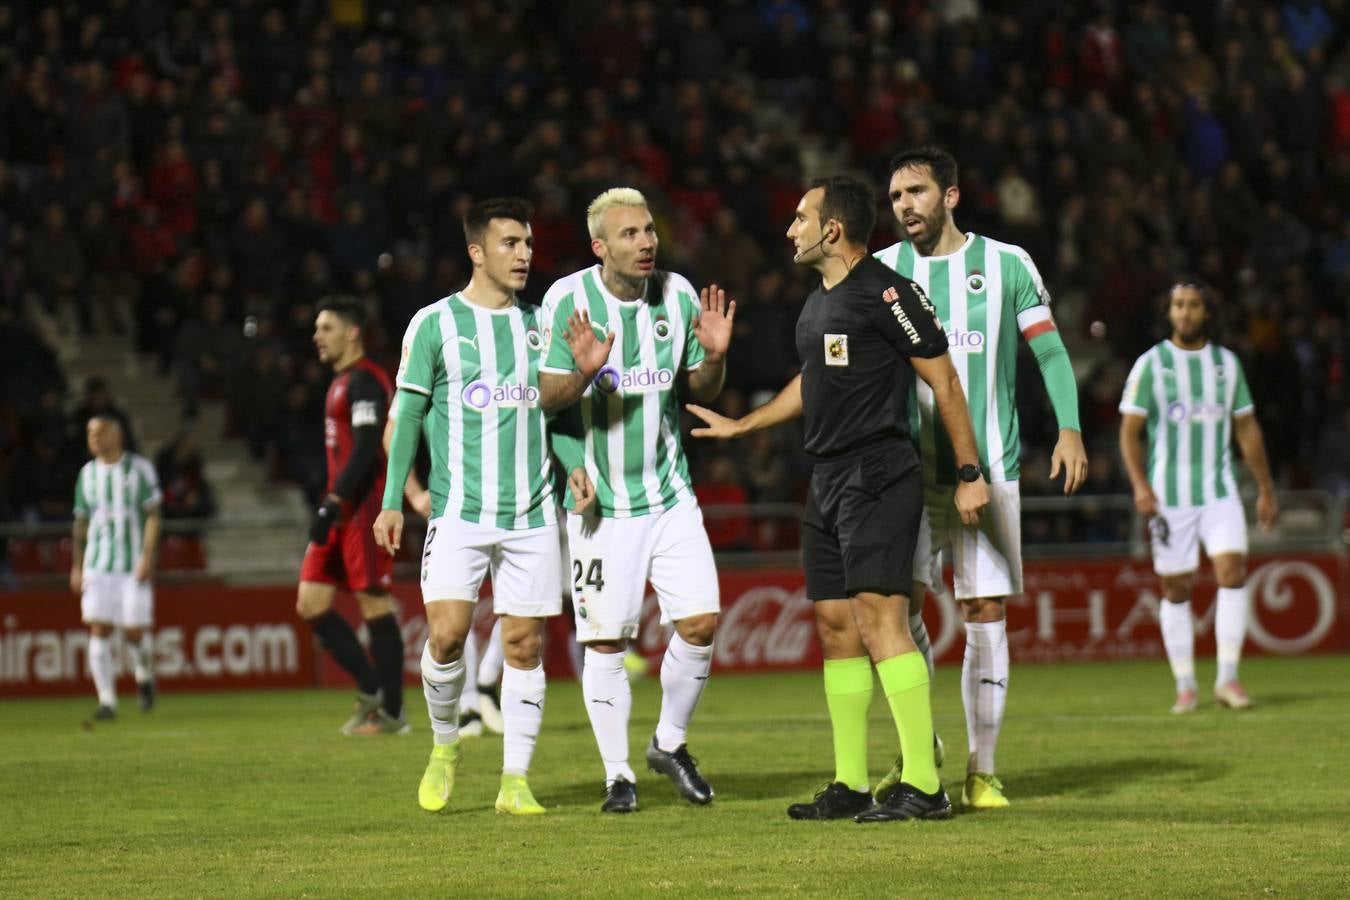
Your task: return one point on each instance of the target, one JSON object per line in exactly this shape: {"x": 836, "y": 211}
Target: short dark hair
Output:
{"x": 941, "y": 163}
{"x": 481, "y": 213}
{"x": 1208, "y": 295}
{"x": 351, "y": 310}
{"x": 851, "y": 201}
{"x": 1191, "y": 280}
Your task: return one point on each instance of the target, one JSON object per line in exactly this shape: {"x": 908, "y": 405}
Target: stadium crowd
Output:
{"x": 197, "y": 175}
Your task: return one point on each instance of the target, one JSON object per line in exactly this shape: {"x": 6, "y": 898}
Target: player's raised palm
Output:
{"x": 589, "y": 352}
{"x": 716, "y": 315}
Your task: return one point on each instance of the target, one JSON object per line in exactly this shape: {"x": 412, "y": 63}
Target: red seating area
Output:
{"x": 51, "y": 556}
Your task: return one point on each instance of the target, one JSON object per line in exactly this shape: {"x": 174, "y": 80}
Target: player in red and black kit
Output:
{"x": 342, "y": 549}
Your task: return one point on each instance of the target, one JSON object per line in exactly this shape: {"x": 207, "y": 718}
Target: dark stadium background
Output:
{"x": 180, "y": 183}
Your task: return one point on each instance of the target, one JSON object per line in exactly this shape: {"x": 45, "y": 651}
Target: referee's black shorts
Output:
{"x": 862, "y": 522}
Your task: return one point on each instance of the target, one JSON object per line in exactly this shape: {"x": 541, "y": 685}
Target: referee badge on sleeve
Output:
{"x": 836, "y": 349}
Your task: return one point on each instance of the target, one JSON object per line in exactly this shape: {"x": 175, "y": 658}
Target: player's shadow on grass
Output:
{"x": 1109, "y": 775}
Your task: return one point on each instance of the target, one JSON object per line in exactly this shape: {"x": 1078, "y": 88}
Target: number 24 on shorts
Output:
{"x": 594, "y": 572}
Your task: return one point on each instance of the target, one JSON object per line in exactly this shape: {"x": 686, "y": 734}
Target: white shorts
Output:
{"x": 986, "y": 560}
{"x": 524, "y": 565}
{"x": 117, "y": 598}
{"x": 1176, "y": 534}
{"x": 613, "y": 559}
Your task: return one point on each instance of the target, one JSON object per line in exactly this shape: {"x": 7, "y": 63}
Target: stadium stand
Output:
{"x": 188, "y": 180}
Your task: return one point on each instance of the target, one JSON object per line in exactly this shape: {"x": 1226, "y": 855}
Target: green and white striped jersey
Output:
{"x": 485, "y": 429}
{"x": 984, "y": 293}
{"x": 1189, "y": 398}
{"x": 628, "y": 419}
{"x": 116, "y": 498}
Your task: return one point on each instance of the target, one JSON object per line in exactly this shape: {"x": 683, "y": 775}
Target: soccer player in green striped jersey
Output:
{"x": 1191, "y": 396}
{"x": 985, "y": 292}
{"x": 618, "y": 418}
{"x": 115, "y": 540}
{"x": 469, "y": 383}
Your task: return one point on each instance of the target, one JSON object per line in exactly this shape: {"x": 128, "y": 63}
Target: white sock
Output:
{"x": 919, "y": 632}
{"x": 468, "y": 695}
{"x": 1178, "y": 634}
{"x": 491, "y": 660}
{"x": 441, "y": 684}
{"x": 522, "y": 714}
{"x": 684, "y": 672}
{"x": 609, "y": 701}
{"x": 142, "y": 655}
{"x": 984, "y": 689}
{"x": 1230, "y": 630}
{"x": 101, "y": 669}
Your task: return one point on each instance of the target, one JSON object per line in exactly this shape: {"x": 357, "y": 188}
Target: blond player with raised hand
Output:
{"x": 986, "y": 294}
{"x": 1191, "y": 397}
{"x": 618, "y": 418}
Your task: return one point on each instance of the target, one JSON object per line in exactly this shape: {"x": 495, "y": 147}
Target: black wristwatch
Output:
{"x": 968, "y": 472}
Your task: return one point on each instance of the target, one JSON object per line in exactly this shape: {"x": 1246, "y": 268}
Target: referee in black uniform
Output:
{"x": 862, "y": 336}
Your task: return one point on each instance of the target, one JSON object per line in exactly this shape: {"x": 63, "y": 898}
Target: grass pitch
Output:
{"x": 256, "y": 794}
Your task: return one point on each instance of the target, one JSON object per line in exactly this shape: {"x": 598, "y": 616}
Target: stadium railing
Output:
{"x": 743, "y": 536}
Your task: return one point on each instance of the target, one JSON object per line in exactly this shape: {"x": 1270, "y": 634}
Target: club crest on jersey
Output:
{"x": 662, "y": 329}
{"x": 534, "y": 340}
{"x": 975, "y": 283}
{"x": 836, "y": 349}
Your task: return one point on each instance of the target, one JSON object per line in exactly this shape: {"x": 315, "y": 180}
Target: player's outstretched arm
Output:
{"x": 1248, "y": 433}
{"x": 589, "y": 355}
{"x": 1131, "y": 428}
{"x": 785, "y": 406}
{"x": 713, "y": 331}
{"x": 938, "y": 372}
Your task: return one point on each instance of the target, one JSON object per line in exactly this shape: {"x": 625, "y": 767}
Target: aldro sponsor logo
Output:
{"x": 959, "y": 341}
{"x": 480, "y": 395}
{"x": 1179, "y": 412}
{"x": 610, "y": 380}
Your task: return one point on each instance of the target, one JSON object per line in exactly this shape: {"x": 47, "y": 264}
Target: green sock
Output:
{"x": 848, "y": 694}
{"x": 904, "y": 678}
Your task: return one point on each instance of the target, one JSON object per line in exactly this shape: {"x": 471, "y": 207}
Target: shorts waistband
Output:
{"x": 886, "y": 445}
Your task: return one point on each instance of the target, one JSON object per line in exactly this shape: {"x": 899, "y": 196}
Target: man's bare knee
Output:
{"x": 448, "y": 624}
{"x": 373, "y": 606}
{"x": 698, "y": 630}
{"x": 983, "y": 609}
{"x": 1177, "y": 588}
{"x": 522, "y": 641}
{"x": 1230, "y": 570}
{"x": 314, "y": 599}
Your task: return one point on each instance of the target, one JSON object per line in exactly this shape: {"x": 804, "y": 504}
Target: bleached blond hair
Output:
{"x": 620, "y": 196}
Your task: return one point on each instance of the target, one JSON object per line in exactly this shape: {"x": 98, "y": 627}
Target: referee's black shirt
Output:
{"x": 854, "y": 342}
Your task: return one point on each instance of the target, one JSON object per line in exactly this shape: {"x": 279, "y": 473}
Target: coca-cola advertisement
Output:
{"x": 214, "y": 637}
